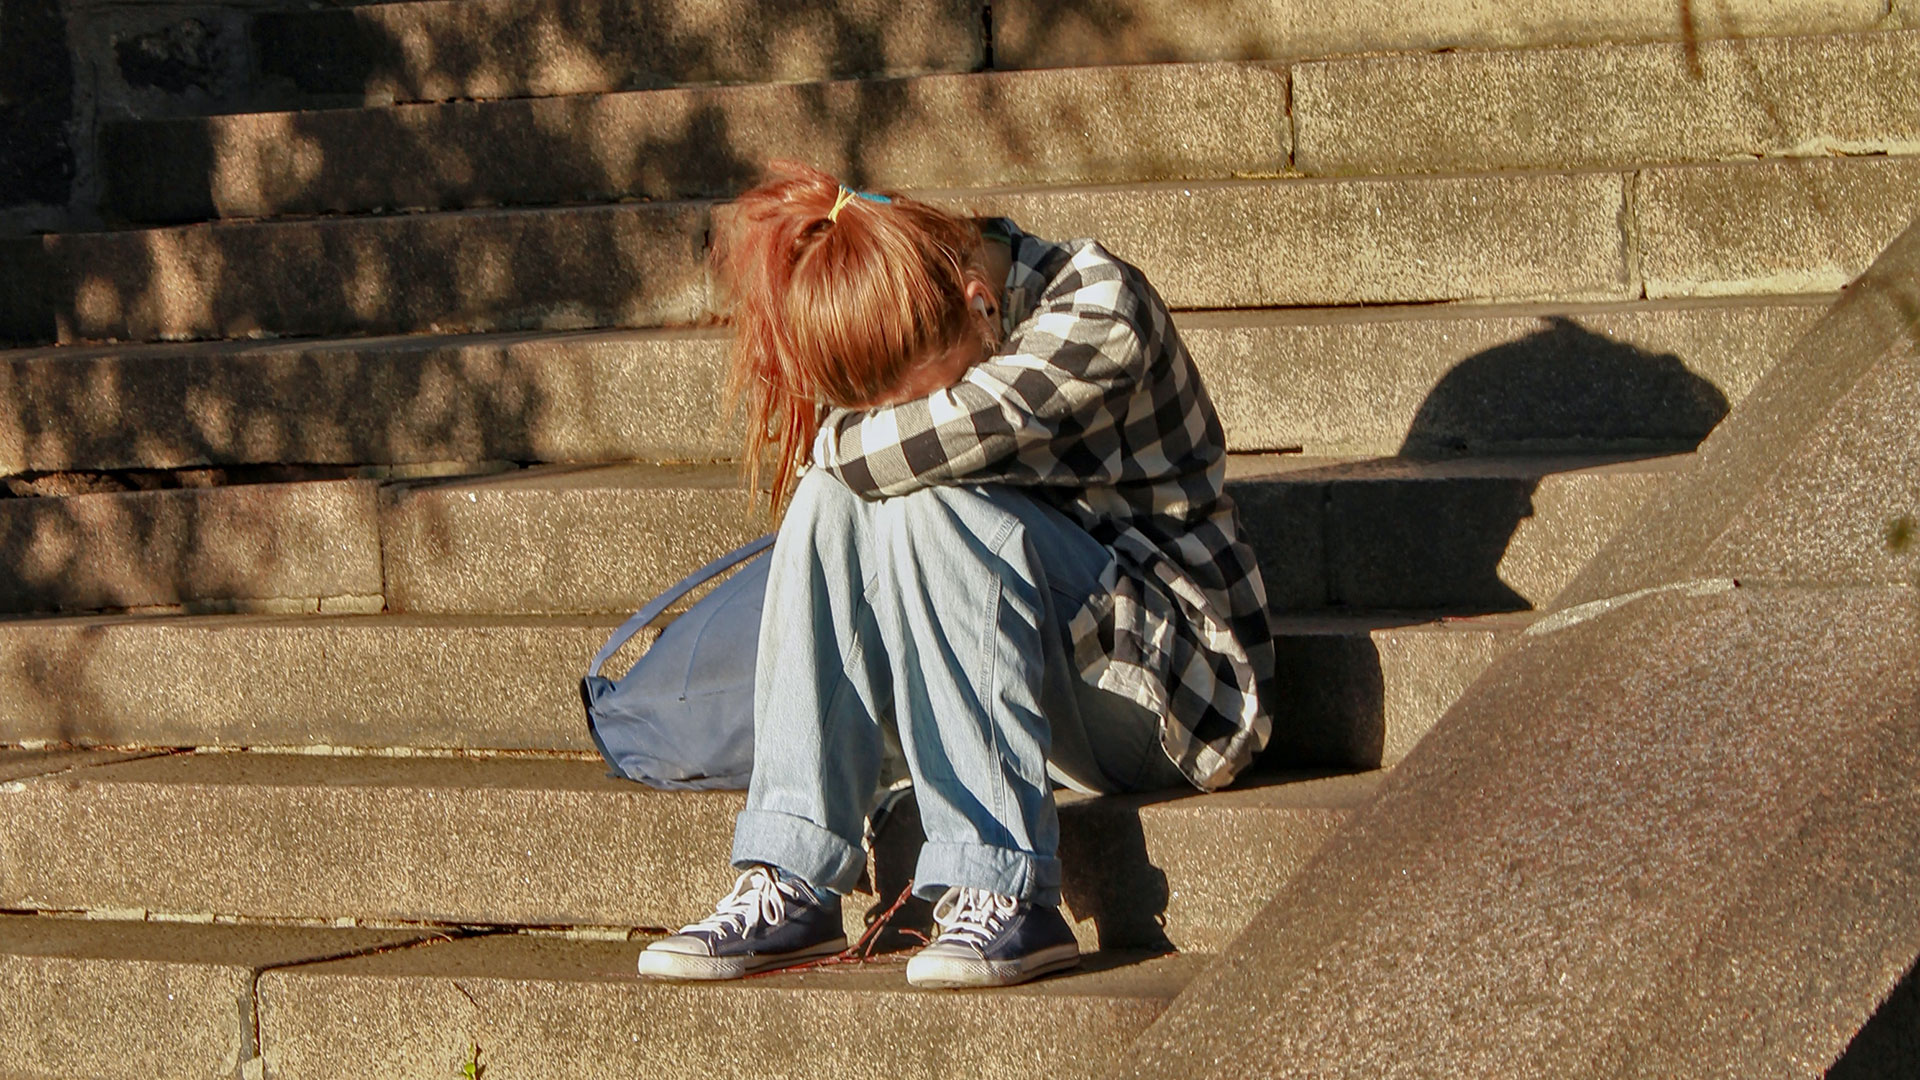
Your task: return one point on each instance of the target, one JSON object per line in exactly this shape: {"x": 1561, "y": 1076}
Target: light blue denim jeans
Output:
{"x": 942, "y": 616}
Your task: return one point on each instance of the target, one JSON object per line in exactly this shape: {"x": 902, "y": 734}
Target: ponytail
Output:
{"x": 832, "y": 297}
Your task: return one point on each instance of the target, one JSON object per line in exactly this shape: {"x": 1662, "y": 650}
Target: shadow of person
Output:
{"x": 1428, "y": 533}
{"x": 1565, "y": 389}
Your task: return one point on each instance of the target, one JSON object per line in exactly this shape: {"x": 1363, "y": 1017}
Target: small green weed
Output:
{"x": 1900, "y": 533}
{"x": 473, "y": 1070}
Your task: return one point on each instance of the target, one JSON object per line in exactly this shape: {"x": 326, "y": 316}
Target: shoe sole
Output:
{"x": 960, "y": 973}
{"x": 661, "y": 964}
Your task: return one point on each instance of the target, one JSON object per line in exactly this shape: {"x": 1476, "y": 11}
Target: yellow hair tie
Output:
{"x": 847, "y": 195}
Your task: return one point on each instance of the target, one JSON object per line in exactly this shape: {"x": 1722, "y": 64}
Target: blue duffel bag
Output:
{"x": 682, "y": 716}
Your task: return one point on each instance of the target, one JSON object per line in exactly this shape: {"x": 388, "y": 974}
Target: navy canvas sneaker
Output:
{"x": 987, "y": 939}
{"x": 770, "y": 920}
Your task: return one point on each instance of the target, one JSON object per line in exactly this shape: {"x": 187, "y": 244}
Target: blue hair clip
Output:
{"x": 870, "y": 197}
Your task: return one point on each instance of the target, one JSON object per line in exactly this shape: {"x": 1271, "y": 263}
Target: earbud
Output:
{"x": 980, "y": 305}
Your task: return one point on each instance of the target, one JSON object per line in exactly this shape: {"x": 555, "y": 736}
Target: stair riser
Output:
{"x": 635, "y": 265}
{"x": 353, "y": 682}
{"x": 1062, "y": 33}
{"x": 502, "y": 842}
{"x": 129, "y": 1001}
{"x": 1577, "y": 379}
{"x": 1130, "y": 124}
{"x": 1602, "y": 107}
{"x": 604, "y": 397}
{"x": 1459, "y": 543}
{"x": 448, "y": 50}
{"x": 297, "y": 545}
{"x": 1696, "y": 230}
{"x": 1583, "y": 108}
{"x": 317, "y": 1025}
{"x": 1346, "y": 697}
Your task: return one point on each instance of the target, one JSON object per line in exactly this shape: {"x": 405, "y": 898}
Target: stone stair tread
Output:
{"x": 1348, "y": 623}
{"x": 544, "y": 841}
{"x": 518, "y": 957}
{"x": 1301, "y": 468}
{"x": 18, "y": 763}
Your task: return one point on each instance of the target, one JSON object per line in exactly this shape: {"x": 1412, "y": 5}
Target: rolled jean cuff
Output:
{"x": 797, "y": 846}
{"x": 1020, "y": 874}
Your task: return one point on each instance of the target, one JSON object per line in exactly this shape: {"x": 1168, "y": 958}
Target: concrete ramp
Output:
{"x": 1676, "y": 831}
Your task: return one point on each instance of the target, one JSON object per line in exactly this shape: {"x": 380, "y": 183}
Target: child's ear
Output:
{"x": 980, "y": 299}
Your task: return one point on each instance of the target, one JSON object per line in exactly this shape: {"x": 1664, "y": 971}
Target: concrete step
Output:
{"x": 543, "y": 1008}
{"x": 308, "y": 546}
{"x": 454, "y": 49}
{"x": 492, "y": 49}
{"x": 1361, "y": 690}
{"x": 1332, "y": 382}
{"x": 1787, "y": 226}
{"x": 1608, "y": 105}
{"x": 549, "y": 842}
{"x": 1458, "y": 534}
{"x": 1064, "y": 33}
{"x": 484, "y": 682}
{"x": 1102, "y": 126}
{"x": 1560, "y": 108}
{"x": 1356, "y": 691}
{"x": 623, "y": 265}
{"x": 1215, "y": 244}
{"x": 119, "y": 1000}
{"x": 1443, "y": 535}
{"x": 1482, "y": 534}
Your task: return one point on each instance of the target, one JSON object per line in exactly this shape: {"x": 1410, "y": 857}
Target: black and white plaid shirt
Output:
{"x": 1095, "y": 403}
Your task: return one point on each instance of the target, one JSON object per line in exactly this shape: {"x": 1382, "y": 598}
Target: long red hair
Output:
{"x": 831, "y": 309}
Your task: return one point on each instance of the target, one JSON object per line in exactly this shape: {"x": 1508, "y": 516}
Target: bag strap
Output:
{"x": 672, "y": 596}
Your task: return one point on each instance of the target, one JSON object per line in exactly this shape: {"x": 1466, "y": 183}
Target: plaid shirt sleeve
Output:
{"x": 1037, "y": 413}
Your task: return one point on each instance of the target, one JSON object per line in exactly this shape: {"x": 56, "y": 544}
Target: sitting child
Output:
{"x": 1005, "y": 538}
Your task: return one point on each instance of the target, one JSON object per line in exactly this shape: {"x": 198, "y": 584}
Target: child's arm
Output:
{"x": 1045, "y": 411}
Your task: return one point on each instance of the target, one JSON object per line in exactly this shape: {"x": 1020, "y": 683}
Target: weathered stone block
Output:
{"x": 1061, "y": 33}
{"x": 1099, "y": 125}
{"x": 275, "y": 680}
{"x": 1573, "y": 108}
{"x": 531, "y": 841}
{"x": 1813, "y": 479}
{"x": 1471, "y": 380}
{"x": 1361, "y": 690}
{"x": 1682, "y": 831}
{"x": 558, "y": 540}
{"x": 551, "y": 1008}
{"x": 1800, "y": 226}
{"x": 1315, "y": 242}
{"x": 137, "y": 549}
{"x": 497, "y": 48}
{"x": 135, "y": 1000}
{"x": 628, "y": 265}
{"x": 1168, "y": 869}
{"x": 417, "y": 400}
